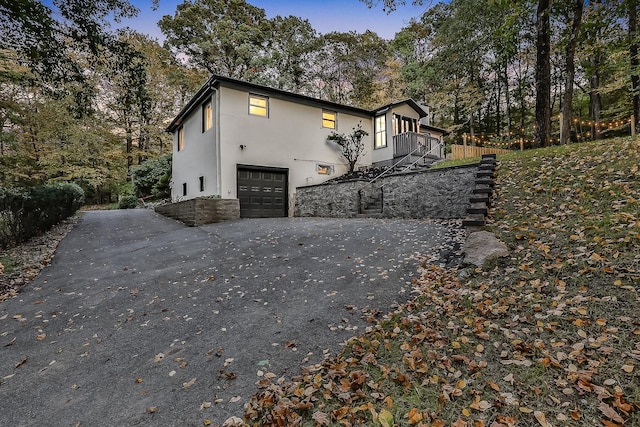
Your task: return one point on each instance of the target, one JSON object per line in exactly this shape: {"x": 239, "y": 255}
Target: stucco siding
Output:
{"x": 197, "y": 159}
{"x": 291, "y": 137}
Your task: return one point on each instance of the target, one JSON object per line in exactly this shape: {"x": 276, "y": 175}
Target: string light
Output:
{"x": 487, "y": 139}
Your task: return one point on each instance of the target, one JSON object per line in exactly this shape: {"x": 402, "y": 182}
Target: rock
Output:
{"x": 482, "y": 246}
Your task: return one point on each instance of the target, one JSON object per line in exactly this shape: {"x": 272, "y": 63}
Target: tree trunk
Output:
{"x": 543, "y": 74}
{"x": 570, "y": 71}
{"x": 595, "y": 100}
{"x": 633, "y": 57}
{"x": 507, "y": 98}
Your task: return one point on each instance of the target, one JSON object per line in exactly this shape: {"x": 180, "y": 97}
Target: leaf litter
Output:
{"x": 547, "y": 337}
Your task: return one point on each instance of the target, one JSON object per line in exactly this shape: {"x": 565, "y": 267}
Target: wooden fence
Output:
{"x": 465, "y": 151}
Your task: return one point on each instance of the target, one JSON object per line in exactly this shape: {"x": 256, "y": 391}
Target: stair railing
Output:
{"x": 439, "y": 146}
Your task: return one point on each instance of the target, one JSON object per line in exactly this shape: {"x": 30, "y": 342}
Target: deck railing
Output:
{"x": 416, "y": 144}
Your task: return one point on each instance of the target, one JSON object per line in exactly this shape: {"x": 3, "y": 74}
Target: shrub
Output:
{"x": 128, "y": 202}
{"x": 148, "y": 175}
{"x": 26, "y": 212}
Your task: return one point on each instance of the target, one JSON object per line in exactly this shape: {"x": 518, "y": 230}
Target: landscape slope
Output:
{"x": 548, "y": 336}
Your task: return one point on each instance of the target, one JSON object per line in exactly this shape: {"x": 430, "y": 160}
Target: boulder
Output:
{"x": 482, "y": 246}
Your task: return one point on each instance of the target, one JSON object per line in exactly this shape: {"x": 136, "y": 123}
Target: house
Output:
{"x": 240, "y": 140}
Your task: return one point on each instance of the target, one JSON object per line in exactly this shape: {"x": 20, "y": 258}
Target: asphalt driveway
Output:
{"x": 141, "y": 320}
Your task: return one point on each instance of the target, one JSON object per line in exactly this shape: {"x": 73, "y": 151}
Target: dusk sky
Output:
{"x": 325, "y": 16}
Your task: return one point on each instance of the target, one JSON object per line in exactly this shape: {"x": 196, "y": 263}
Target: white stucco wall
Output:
{"x": 386, "y": 153}
{"x": 197, "y": 158}
{"x": 292, "y": 137}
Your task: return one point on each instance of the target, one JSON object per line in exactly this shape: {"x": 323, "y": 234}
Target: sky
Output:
{"x": 325, "y": 16}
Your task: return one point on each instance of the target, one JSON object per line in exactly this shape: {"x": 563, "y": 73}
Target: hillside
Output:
{"x": 549, "y": 336}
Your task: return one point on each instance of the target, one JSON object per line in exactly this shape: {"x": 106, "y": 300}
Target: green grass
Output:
{"x": 460, "y": 162}
{"x": 8, "y": 263}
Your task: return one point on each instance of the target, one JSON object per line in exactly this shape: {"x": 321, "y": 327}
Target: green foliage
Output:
{"x": 351, "y": 145}
{"x": 223, "y": 37}
{"x": 128, "y": 202}
{"x": 26, "y": 212}
{"x": 153, "y": 173}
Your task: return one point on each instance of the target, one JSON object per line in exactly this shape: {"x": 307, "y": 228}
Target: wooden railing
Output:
{"x": 465, "y": 151}
{"x": 415, "y": 143}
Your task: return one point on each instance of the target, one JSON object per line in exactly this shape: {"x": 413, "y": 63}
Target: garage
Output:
{"x": 262, "y": 192}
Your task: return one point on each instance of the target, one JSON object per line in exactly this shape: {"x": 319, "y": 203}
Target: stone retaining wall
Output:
{"x": 435, "y": 193}
{"x": 195, "y": 212}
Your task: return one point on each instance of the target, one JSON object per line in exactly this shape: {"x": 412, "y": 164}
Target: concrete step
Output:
{"x": 484, "y": 174}
{"x": 483, "y": 198}
{"x": 483, "y": 190}
{"x": 474, "y": 221}
{"x": 485, "y": 181}
{"x": 482, "y": 210}
{"x": 369, "y": 215}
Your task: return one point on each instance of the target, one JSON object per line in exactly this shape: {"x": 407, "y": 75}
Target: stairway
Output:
{"x": 480, "y": 200}
{"x": 371, "y": 203}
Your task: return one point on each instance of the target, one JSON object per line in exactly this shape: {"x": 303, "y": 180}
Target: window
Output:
{"x": 329, "y": 119}
{"x": 184, "y": 188}
{"x": 258, "y": 105}
{"x": 181, "y": 138}
{"x": 381, "y": 132}
{"x": 202, "y": 183}
{"x": 324, "y": 169}
{"x": 403, "y": 124}
{"x": 207, "y": 117}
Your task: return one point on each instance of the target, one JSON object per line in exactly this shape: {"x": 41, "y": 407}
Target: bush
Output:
{"x": 128, "y": 202}
{"x": 149, "y": 174}
{"x": 27, "y": 212}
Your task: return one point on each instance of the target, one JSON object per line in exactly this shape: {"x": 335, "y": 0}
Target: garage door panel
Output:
{"x": 262, "y": 193}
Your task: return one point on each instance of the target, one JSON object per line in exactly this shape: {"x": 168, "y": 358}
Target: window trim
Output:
{"x": 334, "y": 121}
{"x": 255, "y": 106}
{"x": 380, "y": 130}
{"x": 207, "y": 119}
{"x": 180, "y": 138}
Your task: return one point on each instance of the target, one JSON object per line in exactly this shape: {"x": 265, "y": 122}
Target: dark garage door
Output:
{"x": 262, "y": 192}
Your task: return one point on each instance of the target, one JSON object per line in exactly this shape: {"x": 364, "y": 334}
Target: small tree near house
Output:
{"x": 351, "y": 145}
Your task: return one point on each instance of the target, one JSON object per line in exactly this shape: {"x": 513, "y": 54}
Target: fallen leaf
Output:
{"x": 235, "y": 399}
{"x": 158, "y": 357}
{"x": 22, "y": 362}
{"x": 152, "y": 409}
{"x": 414, "y": 415}
{"x": 321, "y": 418}
{"x": 481, "y": 405}
{"x": 189, "y": 383}
{"x": 385, "y": 418}
{"x": 609, "y": 412}
{"x": 542, "y": 419}
{"x": 206, "y": 422}
{"x": 627, "y": 368}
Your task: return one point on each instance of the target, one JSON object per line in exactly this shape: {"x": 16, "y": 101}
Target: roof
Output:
{"x": 217, "y": 81}
{"x": 410, "y": 102}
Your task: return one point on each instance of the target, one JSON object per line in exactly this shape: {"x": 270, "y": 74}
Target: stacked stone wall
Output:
{"x": 195, "y": 212}
{"x": 436, "y": 193}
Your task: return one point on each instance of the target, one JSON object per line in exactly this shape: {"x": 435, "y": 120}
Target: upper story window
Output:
{"x": 207, "y": 117}
{"x": 381, "y": 132}
{"x": 329, "y": 119}
{"x": 181, "y": 138}
{"x": 258, "y": 105}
